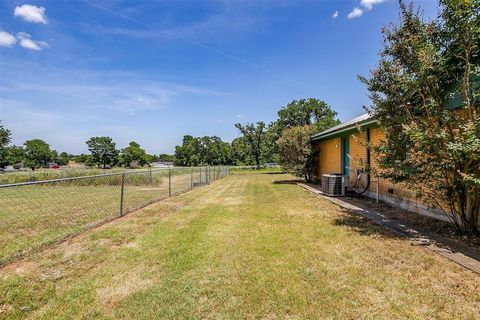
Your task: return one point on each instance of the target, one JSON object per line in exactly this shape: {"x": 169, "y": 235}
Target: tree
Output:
{"x": 188, "y": 154}
{"x": 254, "y": 135}
{"x": 166, "y": 157}
{"x": 202, "y": 150}
{"x": 5, "y": 137}
{"x": 133, "y": 153}
{"x": 63, "y": 159}
{"x": 37, "y": 153}
{"x": 15, "y": 155}
{"x": 214, "y": 151}
{"x": 305, "y": 112}
{"x": 241, "y": 153}
{"x": 270, "y": 147}
{"x": 152, "y": 158}
{"x": 103, "y": 151}
{"x": 296, "y": 153}
{"x": 82, "y": 158}
{"x": 54, "y": 157}
{"x": 423, "y": 66}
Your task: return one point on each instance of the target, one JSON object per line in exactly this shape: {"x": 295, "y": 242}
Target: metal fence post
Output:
{"x": 191, "y": 179}
{"x": 121, "y": 193}
{"x": 151, "y": 178}
{"x": 207, "y": 180}
{"x": 169, "y": 182}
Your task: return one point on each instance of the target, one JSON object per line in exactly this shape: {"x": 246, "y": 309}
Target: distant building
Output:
{"x": 162, "y": 164}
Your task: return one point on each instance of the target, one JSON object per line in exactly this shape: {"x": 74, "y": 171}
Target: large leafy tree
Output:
{"x": 305, "y": 112}
{"x": 215, "y": 151}
{"x": 189, "y": 153}
{"x": 15, "y": 155}
{"x": 63, "y": 158}
{"x": 298, "y": 113}
{"x": 241, "y": 153}
{"x": 202, "y": 151}
{"x": 296, "y": 154}
{"x": 133, "y": 154}
{"x": 37, "y": 153}
{"x": 270, "y": 147}
{"x": 103, "y": 151}
{"x": 422, "y": 68}
{"x": 5, "y": 137}
{"x": 254, "y": 137}
{"x": 166, "y": 157}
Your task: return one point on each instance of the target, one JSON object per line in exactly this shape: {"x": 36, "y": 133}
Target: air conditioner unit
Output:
{"x": 334, "y": 184}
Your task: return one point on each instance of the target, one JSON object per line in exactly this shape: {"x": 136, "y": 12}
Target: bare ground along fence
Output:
{"x": 37, "y": 213}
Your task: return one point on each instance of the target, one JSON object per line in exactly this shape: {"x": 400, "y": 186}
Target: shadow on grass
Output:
{"x": 293, "y": 181}
{"x": 363, "y": 226}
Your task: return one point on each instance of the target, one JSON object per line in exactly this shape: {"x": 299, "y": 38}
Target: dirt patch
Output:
{"x": 52, "y": 274}
{"x": 71, "y": 249}
{"x": 121, "y": 286}
{"x": 19, "y": 267}
{"x": 5, "y": 308}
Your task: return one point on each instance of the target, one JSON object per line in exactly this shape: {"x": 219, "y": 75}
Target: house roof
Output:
{"x": 362, "y": 120}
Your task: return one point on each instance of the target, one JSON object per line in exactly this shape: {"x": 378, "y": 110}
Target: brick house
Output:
{"x": 343, "y": 149}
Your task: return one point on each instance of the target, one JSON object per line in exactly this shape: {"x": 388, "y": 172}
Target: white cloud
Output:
{"x": 26, "y": 42}
{"x": 335, "y": 15}
{"x": 356, "y": 12}
{"x": 7, "y": 39}
{"x": 31, "y": 13}
{"x": 368, "y": 4}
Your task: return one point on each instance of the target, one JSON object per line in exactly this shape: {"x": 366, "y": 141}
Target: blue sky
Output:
{"x": 153, "y": 71}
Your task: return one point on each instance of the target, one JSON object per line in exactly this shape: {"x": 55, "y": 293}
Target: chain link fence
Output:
{"x": 38, "y": 213}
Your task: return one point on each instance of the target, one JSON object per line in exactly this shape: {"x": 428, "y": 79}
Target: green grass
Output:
{"x": 138, "y": 174}
{"x": 42, "y": 214}
{"x": 47, "y": 174}
{"x": 248, "y": 246}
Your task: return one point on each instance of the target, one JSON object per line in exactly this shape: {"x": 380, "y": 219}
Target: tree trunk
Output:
{"x": 467, "y": 212}
{"x": 471, "y": 214}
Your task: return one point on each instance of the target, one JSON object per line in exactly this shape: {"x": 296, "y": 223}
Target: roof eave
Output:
{"x": 320, "y": 136}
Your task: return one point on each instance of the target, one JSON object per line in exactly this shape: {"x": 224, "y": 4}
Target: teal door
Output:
{"x": 345, "y": 156}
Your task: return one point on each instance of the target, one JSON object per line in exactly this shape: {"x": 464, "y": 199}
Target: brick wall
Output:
{"x": 386, "y": 187}
{"x": 329, "y": 161}
{"x": 358, "y": 156}
{"x": 329, "y": 157}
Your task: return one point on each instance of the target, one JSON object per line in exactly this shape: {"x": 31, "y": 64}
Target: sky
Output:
{"x": 154, "y": 71}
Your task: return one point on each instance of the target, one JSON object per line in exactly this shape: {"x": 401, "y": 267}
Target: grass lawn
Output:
{"x": 41, "y": 214}
{"x": 247, "y": 246}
